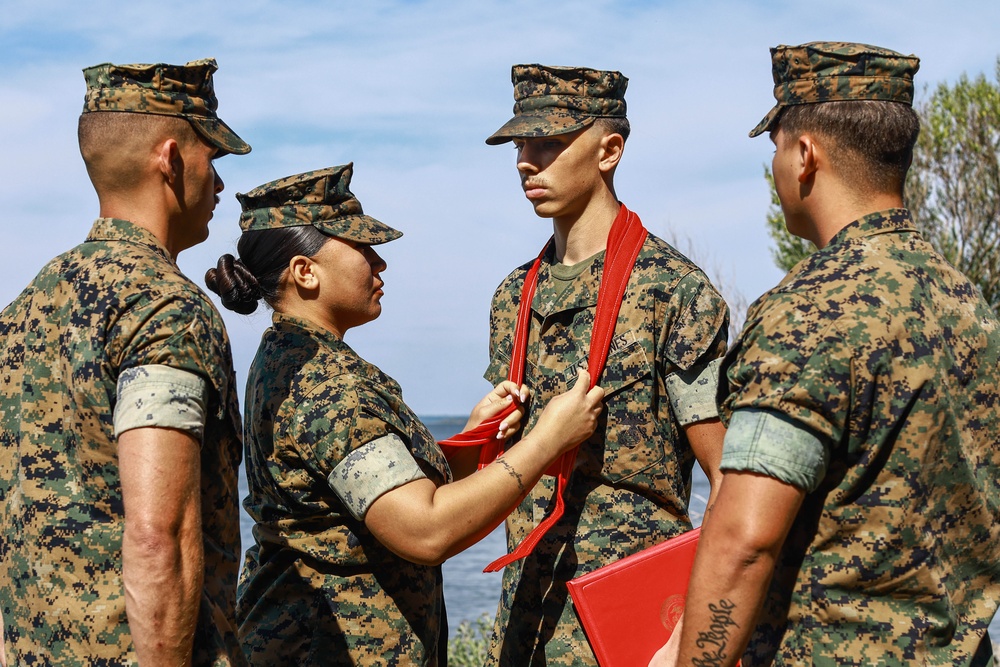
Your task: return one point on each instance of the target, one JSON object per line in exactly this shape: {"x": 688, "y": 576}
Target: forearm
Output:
{"x": 163, "y": 576}
{"x": 734, "y": 565}
{"x": 162, "y": 550}
{"x": 450, "y": 518}
{"x": 727, "y": 589}
{"x": 426, "y": 523}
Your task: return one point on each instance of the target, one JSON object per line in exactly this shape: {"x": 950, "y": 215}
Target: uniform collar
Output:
{"x": 284, "y": 322}
{"x": 116, "y": 229}
{"x": 893, "y": 220}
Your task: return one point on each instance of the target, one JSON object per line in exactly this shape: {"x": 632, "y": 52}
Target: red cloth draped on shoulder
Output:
{"x": 624, "y": 242}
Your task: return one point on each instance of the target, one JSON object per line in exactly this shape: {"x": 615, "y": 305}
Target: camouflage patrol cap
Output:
{"x": 836, "y": 72}
{"x": 558, "y": 100}
{"x": 319, "y": 198}
{"x": 185, "y": 91}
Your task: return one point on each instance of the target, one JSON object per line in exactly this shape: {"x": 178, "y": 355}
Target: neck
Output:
{"x": 141, "y": 211}
{"x": 845, "y": 209}
{"x": 583, "y": 235}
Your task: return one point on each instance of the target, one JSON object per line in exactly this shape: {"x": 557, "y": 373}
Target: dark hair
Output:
{"x": 615, "y": 125}
{"x": 871, "y": 141}
{"x": 264, "y": 256}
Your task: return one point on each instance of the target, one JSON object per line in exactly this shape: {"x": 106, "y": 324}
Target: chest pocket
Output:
{"x": 628, "y": 430}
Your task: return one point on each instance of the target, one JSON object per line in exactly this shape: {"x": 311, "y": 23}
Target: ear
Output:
{"x": 611, "y": 148}
{"x": 167, "y": 156}
{"x": 302, "y": 273}
{"x": 810, "y": 155}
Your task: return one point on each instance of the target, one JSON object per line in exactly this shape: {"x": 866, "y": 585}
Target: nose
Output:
{"x": 526, "y": 163}
{"x": 375, "y": 261}
{"x": 219, "y": 185}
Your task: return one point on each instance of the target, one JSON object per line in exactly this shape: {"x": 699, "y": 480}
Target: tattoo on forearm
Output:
{"x": 513, "y": 473}
{"x": 714, "y": 642}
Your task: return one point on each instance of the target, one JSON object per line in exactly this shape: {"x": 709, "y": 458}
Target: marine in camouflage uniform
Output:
{"x": 631, "y": 484}
{"x": 326, "y": 434}
{"x": 110, "y": 319}
{"x": 867, "y": 382}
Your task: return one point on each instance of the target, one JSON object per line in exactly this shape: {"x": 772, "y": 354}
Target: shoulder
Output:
{"x": 511, "y": 285}
{"x": 300, "y": 365}
{"x": 661, "y": 262}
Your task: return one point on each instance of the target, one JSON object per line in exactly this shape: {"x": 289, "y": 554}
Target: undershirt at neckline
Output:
{"x": 562, "y": 276}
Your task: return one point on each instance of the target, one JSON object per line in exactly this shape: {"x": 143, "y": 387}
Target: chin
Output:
{"x": 542, "y": 211}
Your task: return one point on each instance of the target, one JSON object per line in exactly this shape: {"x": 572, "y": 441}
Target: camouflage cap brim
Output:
{"x": 767, "y": 124}
{"x": 526, "y": 127}
{"x": 359, "y": 228}
{"x": 220, "y": 135}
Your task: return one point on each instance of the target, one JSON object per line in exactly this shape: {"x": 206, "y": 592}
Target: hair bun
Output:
{"x": 233, "y": 281}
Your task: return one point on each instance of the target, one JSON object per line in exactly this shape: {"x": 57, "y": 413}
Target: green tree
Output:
{"x": 954, "y": 184}
{"x": 953, "y": 187}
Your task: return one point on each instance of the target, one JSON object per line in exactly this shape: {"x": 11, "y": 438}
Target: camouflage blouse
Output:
{"x": 891, "y": 358}
{"x": 114, "y": 303}
{"x": 317, "y": 587}
{"x": 632, "y": 479}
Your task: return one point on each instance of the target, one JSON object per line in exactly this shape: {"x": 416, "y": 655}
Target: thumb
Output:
{"x": 582, "y": 381}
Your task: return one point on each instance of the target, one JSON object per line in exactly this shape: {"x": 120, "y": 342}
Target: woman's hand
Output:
{"x": 494, "y": 403}
{"x": 570, "y": 418}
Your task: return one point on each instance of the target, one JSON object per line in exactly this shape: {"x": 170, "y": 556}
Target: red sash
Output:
{"x": 624, "y": 242}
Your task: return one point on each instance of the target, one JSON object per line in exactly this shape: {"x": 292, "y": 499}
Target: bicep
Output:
{"x": 396, "y": 517}
{"x": 755, "y": 512}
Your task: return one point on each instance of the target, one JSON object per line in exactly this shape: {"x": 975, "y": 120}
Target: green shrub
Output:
{"x": 469, "y": 646}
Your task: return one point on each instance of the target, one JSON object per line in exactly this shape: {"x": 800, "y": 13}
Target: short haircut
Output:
{"x": 615, "y": 125}
{"x": 871, "y": 141}
{"x": 113, "y": 144}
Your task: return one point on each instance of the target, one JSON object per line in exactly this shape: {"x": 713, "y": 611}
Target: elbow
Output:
{"x": 428, "y": 550}
{"x": 161, "y": 545}
{"x": 740, "y": 546}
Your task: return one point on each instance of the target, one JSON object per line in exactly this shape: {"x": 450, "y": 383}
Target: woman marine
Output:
{"x": 355, "y": 503}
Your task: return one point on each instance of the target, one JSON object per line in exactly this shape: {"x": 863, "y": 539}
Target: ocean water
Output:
{"x": 469, "y": 592}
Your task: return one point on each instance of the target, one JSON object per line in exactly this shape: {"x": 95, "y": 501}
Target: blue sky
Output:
{"x": 408, "y": 91}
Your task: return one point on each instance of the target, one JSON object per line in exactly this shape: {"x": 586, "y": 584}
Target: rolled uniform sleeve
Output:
{"x": 692, "y": 392}
{"x": 372, "y": 470}
{"x": 163, "y": 397}
{"x": 770, "y": 444}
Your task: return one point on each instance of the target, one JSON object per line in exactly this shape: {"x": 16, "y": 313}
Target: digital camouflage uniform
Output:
{"x": 323, "y": 425}
{"x": 878, "y": 355}
{"x": 892, "y": 359}
{"x": 632, "y": 479}
{"x": 114, "y": 308}
{"x": 317, "y": 587}
{"x": 116, "y": 302}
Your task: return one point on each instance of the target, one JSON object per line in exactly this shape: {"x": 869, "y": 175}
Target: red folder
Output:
{"x": 629, "y": 608}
